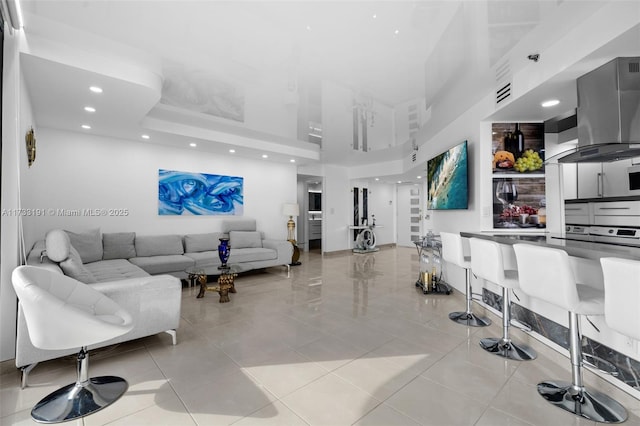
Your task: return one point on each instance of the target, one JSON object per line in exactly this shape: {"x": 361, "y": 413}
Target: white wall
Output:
{"x": 79, "y": 171}
{"x": 17, "y": 119}
{"x": 466, "y": 127}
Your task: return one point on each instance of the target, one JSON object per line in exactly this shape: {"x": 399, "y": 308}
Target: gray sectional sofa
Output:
{"x": 141, "y": 273}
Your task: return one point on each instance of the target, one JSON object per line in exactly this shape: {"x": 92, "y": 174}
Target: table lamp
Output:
{"x": 292, "y": 209}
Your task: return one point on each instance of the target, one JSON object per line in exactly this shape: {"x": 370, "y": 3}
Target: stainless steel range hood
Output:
{"x": 608, "y": 113}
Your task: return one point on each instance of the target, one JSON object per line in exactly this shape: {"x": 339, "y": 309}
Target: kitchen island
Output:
{"x": 584, "y": 249}
{"x": 550, "y": 323}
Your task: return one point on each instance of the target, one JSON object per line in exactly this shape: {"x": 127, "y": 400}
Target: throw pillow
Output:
{"x": 158, "y": 245}
{"x": 88, "y": 244}
{"x": 195, "y": 243}
{"x": 73, "y": 267}
{"x": 118, "y": 245}
{"x": 245, "y": 239}
{"x": 57, "y": 245}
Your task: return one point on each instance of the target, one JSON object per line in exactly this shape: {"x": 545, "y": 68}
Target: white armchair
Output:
{"x": 63, "y": 313}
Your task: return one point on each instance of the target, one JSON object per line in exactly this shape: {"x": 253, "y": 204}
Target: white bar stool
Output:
{"x": 548, "y": 274}
{"x": 487, "y": 262}
{"x": 622, "y": 295}
{"x": 453, "y": 252}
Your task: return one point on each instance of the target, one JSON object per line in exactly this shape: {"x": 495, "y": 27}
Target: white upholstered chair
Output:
{"x": 487, "y": 262}
{"x": 622, "y": 295}
{"x": 453, "y": 252}
{"x": 549, "y": 274}
{"x": 63, "y": 313}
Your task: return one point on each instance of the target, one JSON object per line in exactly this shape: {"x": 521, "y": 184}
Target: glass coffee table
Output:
{"x": 225, "y": 283}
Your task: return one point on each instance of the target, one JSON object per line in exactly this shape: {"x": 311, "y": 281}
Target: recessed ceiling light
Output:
{"x": 232, "y": 151}
{"x": 308, "y": 27}
{"x": 95, "y": 89}
{"x": 375, "y": 16}
{"x": 145, "y": 137}
{"x": 399, "y": 181}
{"x": 292, "y": 160}
{"x": 265, "y": 156}
{"x": 377, "y": 179}
{"x": 418, "y": 177}
{"x": 550, "y": 103}
{"x": 396, "y": 32}
{"x": 86, "y": 126}
{"x": 193, "y": 144}
{"x": 89, "y": 109}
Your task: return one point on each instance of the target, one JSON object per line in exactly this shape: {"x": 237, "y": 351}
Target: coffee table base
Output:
{"x": 225, "y": 286}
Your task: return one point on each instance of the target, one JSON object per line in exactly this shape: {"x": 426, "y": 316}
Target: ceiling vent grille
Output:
{"x": 503, "y": 93}
{"x": 503, "y": 82}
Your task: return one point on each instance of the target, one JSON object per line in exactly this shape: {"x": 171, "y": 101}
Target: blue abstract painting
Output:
{"x": 184, "y": 193}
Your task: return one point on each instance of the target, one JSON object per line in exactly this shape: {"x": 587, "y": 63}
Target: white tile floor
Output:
{"x": 347, "y": 339}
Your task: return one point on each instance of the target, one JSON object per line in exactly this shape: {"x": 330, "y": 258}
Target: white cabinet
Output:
{"x": 577, "y": 213}
{"x": 617, "y": 213}
{"x": 616, "y": 178}
{"x": 596, "y": 180}
{"x": 315, "y": 229}
{"x": 589, "y": 180}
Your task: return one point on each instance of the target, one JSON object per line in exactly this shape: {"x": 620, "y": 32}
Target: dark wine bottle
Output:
{"x": 518, "y": 142}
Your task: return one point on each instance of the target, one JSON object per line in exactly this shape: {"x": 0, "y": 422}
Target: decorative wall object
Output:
{"x": 185, "y": 193}
{"x": 30, "y": 139}
{"x": 518, "y": 175}
{"x": 447, "y": 177}
{"x": 198, "y": 91}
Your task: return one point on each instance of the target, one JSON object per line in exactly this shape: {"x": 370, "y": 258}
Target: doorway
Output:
{"x": 409, "y": 214}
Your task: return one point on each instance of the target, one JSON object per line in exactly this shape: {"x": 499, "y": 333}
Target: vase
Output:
{"x": 224, "y": 250}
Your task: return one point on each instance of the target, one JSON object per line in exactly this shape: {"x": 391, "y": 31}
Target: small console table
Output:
{"x": 430, "y": 253}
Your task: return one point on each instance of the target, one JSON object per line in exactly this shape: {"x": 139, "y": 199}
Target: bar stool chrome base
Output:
{"x": 591, "y": 405}
{"x": 78, "y": 400}
{"x": 469, "y": 318}
{"x": 508, "y": 349}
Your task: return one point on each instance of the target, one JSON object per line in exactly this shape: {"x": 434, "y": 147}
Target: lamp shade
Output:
{"x": 290, "y": 209}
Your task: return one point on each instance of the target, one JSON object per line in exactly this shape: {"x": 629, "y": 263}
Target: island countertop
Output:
{"x": 585, "y": 249}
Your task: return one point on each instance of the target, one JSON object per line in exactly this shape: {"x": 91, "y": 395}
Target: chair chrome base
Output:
{"x": 469, "y": 318}
{"x": 77, "y": 400}
{"x": 508, "y": 349}
{"x": 591, "y": 405}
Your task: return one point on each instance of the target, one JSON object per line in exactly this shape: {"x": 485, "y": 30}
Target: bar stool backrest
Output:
{"x": 452, "y": 249}
{"x": 546, "y": 274}
{"x": 622, "y": 295}
{"x": 486, "y": 260}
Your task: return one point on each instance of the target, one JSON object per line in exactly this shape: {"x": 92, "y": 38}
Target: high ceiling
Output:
{"x": 389, "y": 51}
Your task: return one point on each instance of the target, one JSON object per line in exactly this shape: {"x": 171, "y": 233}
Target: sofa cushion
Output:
{"x": 88, "y": 244}
{"x": 118, "y": 245}
{"x": 205, "y": 259}
{"x": 114, "y": 270}
{"x": 251, "y": 255}
{"x": 73, "y": 267}
{"x": 163, "y": 264}
{"x": 158, "y": 245}
{"x": 57, "y": 244}
{"x": 245, "y": 239}
{"x": 194, "y": 243}
{"x": 229, "y": 225}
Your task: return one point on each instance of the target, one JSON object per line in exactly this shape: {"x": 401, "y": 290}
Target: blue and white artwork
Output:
{"x": 185, "y": 193}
